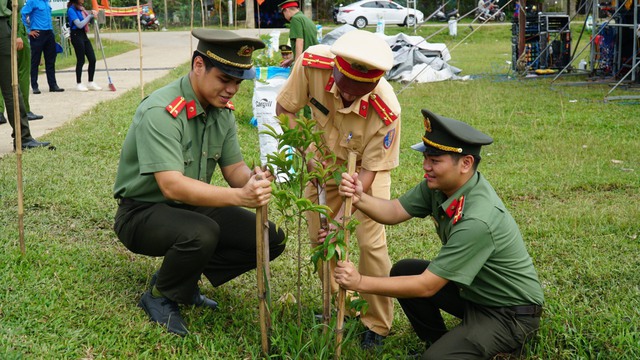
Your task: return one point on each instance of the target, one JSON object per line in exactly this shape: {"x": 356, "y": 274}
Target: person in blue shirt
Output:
{"x": 36, "y": 16}
{"x": 79, "y": 21}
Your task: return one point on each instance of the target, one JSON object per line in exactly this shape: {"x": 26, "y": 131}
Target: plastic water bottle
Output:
{"x": 380, "y": 25}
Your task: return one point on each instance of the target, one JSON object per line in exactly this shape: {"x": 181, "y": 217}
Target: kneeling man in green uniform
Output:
{"x": 167, "y": 204}
{"x": 483, "y": 273}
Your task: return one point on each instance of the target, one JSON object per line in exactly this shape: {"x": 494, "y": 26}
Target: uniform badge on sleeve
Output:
{"x": 176, "y": 106}
{"x": 388, "y": 139}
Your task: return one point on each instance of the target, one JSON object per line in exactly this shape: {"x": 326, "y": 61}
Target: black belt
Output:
{"x": 527, "y": 310}
{"x": 125, "y": 201}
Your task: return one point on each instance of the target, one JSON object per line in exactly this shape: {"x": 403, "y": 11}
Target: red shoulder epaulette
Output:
{"x": 382, "y": 109}
{"x": 230, "y": 105}
{"x": 317, "y": 61}
{"x": 176, "y": 106}
{"x": 458, "y": 214}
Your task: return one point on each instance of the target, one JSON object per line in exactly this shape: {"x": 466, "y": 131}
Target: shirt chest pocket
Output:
{"x": 213, "y": 156}
{"x": 351, "y": 139}
{"x": 187, "y": 155}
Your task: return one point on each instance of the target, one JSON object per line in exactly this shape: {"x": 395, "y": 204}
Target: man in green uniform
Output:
{"x": 302, "y": 31}
{"x": 24, "y": 73}
{"x": 167, "y": 206}
{"x": 28, "y": 141}
{"x": 483, "y": 273}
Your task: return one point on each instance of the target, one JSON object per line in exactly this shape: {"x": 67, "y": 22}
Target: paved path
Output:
{"x": 162, "y": 52}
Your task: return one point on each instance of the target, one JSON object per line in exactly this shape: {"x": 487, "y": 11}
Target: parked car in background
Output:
{"x": 365, "y": 12}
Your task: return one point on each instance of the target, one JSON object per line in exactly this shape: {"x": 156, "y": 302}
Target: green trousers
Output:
{"x": 5, "y": 81}
{"x": 24, "y": 69}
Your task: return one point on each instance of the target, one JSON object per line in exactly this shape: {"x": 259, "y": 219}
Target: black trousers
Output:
{"x": 5, "y": 82}
{"x": 217, "y": 242}
{"x": 44, "y": 43}
{"x": 483, "y": 332}
{"x": 82, "y": 47}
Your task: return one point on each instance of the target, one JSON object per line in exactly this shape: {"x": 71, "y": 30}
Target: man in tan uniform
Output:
{"x": 358, "y": 111}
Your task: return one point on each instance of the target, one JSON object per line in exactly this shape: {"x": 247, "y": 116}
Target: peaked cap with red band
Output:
{"x": 287, "y": 4}
{"x": 362, "y": 56}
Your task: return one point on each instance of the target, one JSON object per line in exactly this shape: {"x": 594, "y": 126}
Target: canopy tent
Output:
{"x": 414, "y": 59}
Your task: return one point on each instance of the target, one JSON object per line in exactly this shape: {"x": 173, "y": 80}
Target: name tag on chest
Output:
{"x": 319, "y": 106}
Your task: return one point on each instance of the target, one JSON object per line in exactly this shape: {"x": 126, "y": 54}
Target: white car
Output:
{"x": 365, "y": 12}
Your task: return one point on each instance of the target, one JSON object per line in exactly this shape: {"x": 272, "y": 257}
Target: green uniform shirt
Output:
{"x": 483, "y": 252}
{"x": 157, "y": 141}
{"x": 301, "y": 27}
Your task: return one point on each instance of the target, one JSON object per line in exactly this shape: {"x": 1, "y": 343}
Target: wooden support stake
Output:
{"x": 342, "y": 293}
{"x": 326, "y": 268}
{"x": 17, "y": 124}
{"x": 263, "y": 273}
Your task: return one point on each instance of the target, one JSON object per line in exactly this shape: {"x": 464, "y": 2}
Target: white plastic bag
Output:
{"x": 269, "y": 82}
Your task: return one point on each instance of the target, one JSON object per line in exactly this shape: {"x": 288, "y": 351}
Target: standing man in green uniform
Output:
{"x": 28, "y": 142}
{"x": 167, "y": 205}
{"x": 24, "y": 72}
{"x": 302, "y": 31}
{"x": 483, "y": 273}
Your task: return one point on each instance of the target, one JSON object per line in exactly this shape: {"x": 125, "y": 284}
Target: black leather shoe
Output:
{"x": 165, "y": 312}
{"x": 198, "y": 300}
{"x": 3, "y": 120}
{"x": 371, "y": 340}
{"x": 56, "y": 89}
{"x": 32, "y": 144}
{"x": 31, "y": 116}
{"x": 37, "y": 91}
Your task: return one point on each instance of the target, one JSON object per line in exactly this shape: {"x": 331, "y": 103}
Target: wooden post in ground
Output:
{"x": 263, "y": 274}
{"x": 342, "y": 293}
{"x": 16, "y": 121}
{"x": 140, "y": 46}
{"x": 326, "y": 268}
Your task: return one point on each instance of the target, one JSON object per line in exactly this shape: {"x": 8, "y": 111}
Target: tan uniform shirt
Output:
{"x": 358, "y": 127}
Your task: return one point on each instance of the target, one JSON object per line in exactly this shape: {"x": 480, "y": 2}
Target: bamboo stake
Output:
{"x": 263, "y": 273}
{"x": 326, "y": 268}
{"x": 202, "y": 12}
{"x": 342, "y": 293}
{"x": 17, "y": 125}
{"x": 140, "y": 47}
{"x": 191, "y": 30}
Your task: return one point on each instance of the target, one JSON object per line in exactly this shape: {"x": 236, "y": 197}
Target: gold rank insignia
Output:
{"x": 191, "y": 109}
{"x": 176, "y": 106}
{"x": 317, "y": 61}
{"x": 459, "y": 208}
{"x": 382, "y": 109}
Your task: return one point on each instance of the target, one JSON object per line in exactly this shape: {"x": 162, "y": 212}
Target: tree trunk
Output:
{"x": 250, "y": 21}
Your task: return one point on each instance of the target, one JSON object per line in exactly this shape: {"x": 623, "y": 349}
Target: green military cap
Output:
{"x": 285, "y": 49}
{"x": 229, "y": 52}
{"x": 443, "y": 135}
{"x": 287, "y": 4}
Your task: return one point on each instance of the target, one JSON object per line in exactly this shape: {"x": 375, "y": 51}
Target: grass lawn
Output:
{"x": 565, "y": 163}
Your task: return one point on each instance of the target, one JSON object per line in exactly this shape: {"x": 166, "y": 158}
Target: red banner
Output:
{"x": 119, "y": 11}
